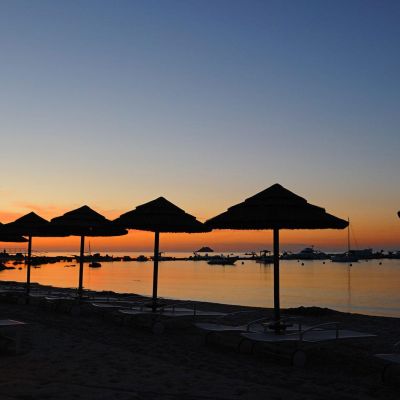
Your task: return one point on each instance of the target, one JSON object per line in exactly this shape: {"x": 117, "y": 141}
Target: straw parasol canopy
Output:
{"x": 205, "y": 249}
{"x": 6, "y": 236}
{"x": 32, "y": 225}
{"x": 84, "y": 222}
{"x": 160, "y": 215}
{"x": 276, "y": 208}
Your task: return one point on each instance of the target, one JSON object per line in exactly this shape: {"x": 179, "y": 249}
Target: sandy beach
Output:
{"x": 91, "y": 357}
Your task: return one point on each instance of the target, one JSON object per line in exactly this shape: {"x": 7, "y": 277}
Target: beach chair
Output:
{"x": 219, "y": 328}
{"x": 12, "y": 294}
{"x": 10, "y": 334}
{"x": 167, "y": 311}
{"x": 68, "y": 301}
{"x": 110, "y": 306}
{"x": 392, "y": 362}
{"x": 305, "y": 338}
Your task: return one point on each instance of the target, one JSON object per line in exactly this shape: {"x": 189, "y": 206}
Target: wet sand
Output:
{"x": 91, "y": 357}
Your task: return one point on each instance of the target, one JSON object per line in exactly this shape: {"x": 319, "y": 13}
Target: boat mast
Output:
{"x": 348, "y": 236}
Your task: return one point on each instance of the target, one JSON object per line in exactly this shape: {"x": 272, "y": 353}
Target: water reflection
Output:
{"x": 349, "y": 288}
{"x": 366, "y": 287}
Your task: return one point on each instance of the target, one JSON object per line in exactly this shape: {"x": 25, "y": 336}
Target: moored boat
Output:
{"x": 3, "y": 267}
{"x": 265, "y": 257}
{"x": 345, "y": 258}
{"x": 222, "y": 260}
{"x": 94, "y": 264}
{"x": 349, "y": 256}
{"x": 308, "y": 253}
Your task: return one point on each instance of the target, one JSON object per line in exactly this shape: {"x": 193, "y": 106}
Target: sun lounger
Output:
{"x": 170, "y": 311}
{"x": 12, "y": 294}
{"x": 392, "y": 359}
{"x": 218, "y": 329}
{"x": 258, "y": 325}
{"x": 9, "y": 325}
{"x": 304, "y": 338}
{"x": 104, "y": 306}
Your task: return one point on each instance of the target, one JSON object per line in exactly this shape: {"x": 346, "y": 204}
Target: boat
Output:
{"x": 94, "y": 264}
{"x": 344, "y": 258}
{"x": 222, "y": 260}
{"x": 142, "y": 258}
{"x": 308, "y": 253}
{"x": 199, "y": 257}
{"x": 265, "y": 257}
{"x": 163, "y": 258}
{"x": 252, "y": 254}
{"x": 348, "y": 256}
{"x": 4, "y": 267}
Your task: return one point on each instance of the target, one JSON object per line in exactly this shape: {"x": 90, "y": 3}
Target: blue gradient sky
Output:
{"x": 113, "y": 103}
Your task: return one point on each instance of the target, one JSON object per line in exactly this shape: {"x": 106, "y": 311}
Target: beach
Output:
{"x": 89, "y": 356}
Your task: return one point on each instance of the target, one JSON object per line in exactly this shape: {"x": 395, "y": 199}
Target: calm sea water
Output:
{"x": 365, "y": 287}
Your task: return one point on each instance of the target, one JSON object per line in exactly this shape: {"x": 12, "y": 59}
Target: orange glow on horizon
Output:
{"x": 369, "y": 228}
{"x": 223, "y": 240}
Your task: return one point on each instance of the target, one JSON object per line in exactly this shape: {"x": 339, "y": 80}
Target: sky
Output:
{"x": 114, "y": 103}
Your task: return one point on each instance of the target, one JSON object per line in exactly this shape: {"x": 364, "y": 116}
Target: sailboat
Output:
{"x": 346, "y": 257}
{"x": 93, "y": 264}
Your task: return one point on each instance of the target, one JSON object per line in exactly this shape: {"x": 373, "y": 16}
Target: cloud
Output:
{"x": 8, "y": 216}
{"x": 51, "y": 210}
{"x": 46, "y": 211}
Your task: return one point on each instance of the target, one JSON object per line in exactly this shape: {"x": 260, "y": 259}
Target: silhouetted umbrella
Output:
{"x": 86, "y": 222}
{"x": 276, "y": 208}
{"x": 205, "y": 250}
{"x": 398, "y": 214}
{"x": 32, "y": 225}
{"x": 160, "y": 215}
{"x": 6, "y": 236}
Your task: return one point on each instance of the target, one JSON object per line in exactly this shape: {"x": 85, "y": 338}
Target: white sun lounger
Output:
{"x": 391, "y": 357}
{"x": 317, "y": 334}
{"x": 392, "y": 360}
{"x": 8, "y": 325}
{"x": 117, "y": 303}
{"x": 314, "y": 336}
{"x": 170, "y": 311}
{"x": 258, "y": 325}
{"x": 104, "y": 307}
{"x": 292, "y": 324}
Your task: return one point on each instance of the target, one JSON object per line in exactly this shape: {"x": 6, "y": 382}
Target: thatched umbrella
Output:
{"x": 6, "y": 236}
{"x": 86, "y": 222}
{"x": 32, "y": 225}
{"x": 276, "y": 208}
{"x": 205, "y": 249}
{"x": 160, "y": 215}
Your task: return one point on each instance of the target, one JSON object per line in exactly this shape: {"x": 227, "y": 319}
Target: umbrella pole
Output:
{"x": 277, "y": 311}
{"x": 28, "y": 269}
{"x": 80, "y": 288}
{"x": 155, "y": 269}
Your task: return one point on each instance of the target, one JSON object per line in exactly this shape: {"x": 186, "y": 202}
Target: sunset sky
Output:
{"x": 114, "y": 103}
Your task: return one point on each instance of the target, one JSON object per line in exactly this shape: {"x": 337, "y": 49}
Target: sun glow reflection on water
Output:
{"x": 366, "y": 287}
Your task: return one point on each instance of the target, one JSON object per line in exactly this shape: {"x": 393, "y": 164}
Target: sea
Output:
{"x": 369, "y": 287}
